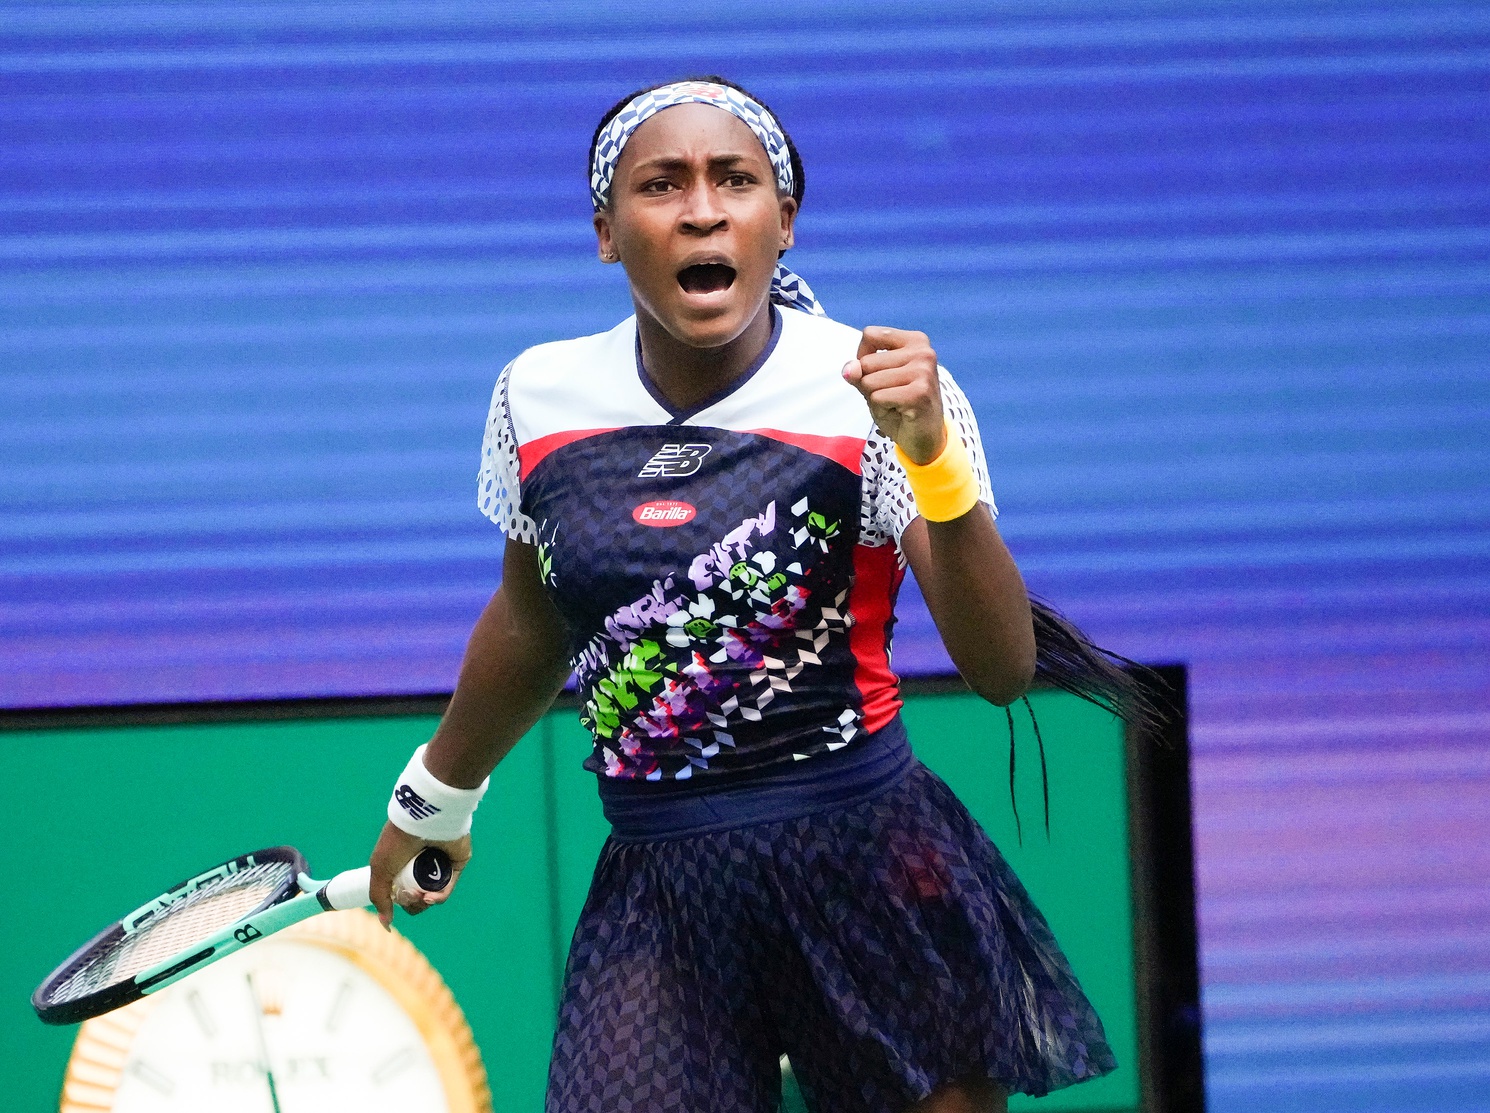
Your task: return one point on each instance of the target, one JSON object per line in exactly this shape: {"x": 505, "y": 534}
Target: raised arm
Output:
{"x": 977, "y": 599}
{"x": 972, "y": 587}
{"x": 515, "y": 664}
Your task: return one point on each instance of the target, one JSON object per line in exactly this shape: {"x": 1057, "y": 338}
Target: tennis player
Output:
{"x": 708, "y": 511}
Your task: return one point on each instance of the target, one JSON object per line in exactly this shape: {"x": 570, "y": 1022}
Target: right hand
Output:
{"x": 394, "y": 850}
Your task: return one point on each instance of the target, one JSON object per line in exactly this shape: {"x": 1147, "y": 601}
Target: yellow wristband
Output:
{"x": 946, "y": 488}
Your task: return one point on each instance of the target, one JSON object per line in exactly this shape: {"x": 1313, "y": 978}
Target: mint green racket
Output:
{"x": 205, "y": 918}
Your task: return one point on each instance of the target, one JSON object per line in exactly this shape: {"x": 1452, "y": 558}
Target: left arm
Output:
{"x": 973, "y": 589}
{"x": 977, "y": 598}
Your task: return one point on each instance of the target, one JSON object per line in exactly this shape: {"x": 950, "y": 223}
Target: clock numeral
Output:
{"x": 237, "y": 1072}
{"x": 338, "y": 1006}
{"x": 394, "y": 1065}
{"x": 202, "y": 1016}
{"x": 151, "y": 1077}
{"x": 311, "y": 1067}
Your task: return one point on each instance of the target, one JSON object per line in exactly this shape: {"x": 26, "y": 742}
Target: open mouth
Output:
{"x": 706, "y": 278}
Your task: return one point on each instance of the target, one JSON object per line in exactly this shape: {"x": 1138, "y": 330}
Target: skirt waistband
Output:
{"x": 858, "y": 772}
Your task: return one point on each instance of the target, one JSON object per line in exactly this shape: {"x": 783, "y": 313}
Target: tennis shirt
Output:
{"x": 726, "y": 574}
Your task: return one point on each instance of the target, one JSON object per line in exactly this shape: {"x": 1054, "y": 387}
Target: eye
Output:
{"x": 739, "y": 178}
{"x": 657, "y": 185}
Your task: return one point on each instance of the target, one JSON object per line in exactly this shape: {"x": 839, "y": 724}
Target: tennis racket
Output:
{"x": 205, "y": 918}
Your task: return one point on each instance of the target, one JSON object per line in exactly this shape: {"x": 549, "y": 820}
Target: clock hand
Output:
{"x": 253, "y": 992}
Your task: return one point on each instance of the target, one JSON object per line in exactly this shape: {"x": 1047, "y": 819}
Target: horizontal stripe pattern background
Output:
{"x": 1214, "y": 275}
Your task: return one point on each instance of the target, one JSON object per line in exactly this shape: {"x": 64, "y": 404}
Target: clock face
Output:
{"x": 292, "y": 1016}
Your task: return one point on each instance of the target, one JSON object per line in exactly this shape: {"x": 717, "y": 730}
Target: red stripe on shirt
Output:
{"x": 848, "y": 451}
{"x": 530, "y": 455}
{"x": 877, "y": 576}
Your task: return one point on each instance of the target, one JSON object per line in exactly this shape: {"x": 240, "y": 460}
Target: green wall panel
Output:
{"x": 146, "y": 806}
{"x": 1079, "y": 877}
{"x": 149, "y": 806}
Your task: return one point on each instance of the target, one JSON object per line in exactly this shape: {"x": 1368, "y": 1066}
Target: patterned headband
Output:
{"x": 786, "y": 288}
{"x": 617, "y": 132}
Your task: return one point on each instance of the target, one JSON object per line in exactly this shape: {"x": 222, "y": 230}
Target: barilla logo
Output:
{"x": 663, "y": 512}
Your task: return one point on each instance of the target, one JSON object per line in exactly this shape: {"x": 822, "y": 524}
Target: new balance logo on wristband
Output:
{"x": 424, "y": 805}
{"x": 417, "y": 806}
{"x": 674, "y": 460}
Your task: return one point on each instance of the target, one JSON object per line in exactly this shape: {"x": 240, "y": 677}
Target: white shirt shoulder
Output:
{"x": 589, "y": 382}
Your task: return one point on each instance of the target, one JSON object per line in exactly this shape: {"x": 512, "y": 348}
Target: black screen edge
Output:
{"x": 1165, "y": 939}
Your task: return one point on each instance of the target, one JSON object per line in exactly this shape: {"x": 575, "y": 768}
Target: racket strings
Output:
{"x": 189, "y": 921}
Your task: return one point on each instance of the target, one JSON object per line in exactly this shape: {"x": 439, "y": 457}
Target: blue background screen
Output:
{"x": 1214, "y": 276}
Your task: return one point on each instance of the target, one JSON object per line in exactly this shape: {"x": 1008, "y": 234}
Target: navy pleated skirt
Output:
{"x": 880, "y": 941}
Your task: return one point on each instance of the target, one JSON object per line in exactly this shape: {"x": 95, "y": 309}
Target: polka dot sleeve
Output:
{"x": 887, "y": 504}
{"x": 498, "y": 491}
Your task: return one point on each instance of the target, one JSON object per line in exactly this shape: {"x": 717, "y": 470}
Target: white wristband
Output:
{"x": 430, "y": 809}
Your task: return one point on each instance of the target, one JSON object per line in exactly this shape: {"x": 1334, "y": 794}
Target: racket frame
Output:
{"x": 297, "y": 898}
{"x": 276, "y": 912}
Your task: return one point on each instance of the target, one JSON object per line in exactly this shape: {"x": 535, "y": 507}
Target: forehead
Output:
{"x": 693, "y": 132}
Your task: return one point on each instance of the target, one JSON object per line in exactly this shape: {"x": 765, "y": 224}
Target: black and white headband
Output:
{"x": 787, "y": 288}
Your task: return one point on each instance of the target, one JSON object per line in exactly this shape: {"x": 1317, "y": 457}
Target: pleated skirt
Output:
{"x": 884, "y": 946}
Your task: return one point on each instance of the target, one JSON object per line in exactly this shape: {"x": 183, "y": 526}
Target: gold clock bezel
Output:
{"x": 101, "y": 1049}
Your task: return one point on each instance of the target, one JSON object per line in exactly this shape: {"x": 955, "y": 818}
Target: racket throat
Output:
{"x": 311, "y": 887}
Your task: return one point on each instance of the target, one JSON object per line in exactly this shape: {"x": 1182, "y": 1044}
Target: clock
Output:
{"x": 333, "y": 1013}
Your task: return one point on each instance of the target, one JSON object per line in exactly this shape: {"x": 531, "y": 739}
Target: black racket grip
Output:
{"x": 432, "y": 869}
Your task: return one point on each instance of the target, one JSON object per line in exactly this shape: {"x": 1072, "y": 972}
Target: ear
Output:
{"x": 788, "y": 222}
{"x": 605, "y": 244}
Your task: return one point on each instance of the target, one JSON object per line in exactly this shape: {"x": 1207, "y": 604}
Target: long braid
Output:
{"x": 1067, "y": 659}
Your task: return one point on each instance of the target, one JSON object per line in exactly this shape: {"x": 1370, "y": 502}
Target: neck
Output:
{"x": 685, "y": 375}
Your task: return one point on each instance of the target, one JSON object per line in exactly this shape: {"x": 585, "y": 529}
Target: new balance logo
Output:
{"x": 417, "y": 806}
{"x": 674, "y": 460}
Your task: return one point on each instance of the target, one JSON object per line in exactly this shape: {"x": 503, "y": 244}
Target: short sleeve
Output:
{"x": 887, "y": 505}
{"x": 498, "y": 486}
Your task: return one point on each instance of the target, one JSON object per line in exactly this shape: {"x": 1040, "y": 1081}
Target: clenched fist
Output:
{"x": 895, "y": 370}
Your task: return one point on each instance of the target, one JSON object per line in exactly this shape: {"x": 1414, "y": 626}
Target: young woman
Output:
{"x": 708, "y": 510}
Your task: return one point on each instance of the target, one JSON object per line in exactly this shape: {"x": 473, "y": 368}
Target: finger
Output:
{"x": 872, "y": 381}
{"x": 412, "y": 903}
{"x": 876, "y": 362}
{"x": 853, "y": 372}
{"x": 380, "y": 891}
{"x": 910, "y": 402}
{"x": 412, "y": 900}
{"x": 879, "y": 338}
{"x": 393, "y": 851}
{"x": 867, "y": 384}
{"x": 919, "y": 360}
{"x": 460, "y": 856}
{"x": 429, "y": 900}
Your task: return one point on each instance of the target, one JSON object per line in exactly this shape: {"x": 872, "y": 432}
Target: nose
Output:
{"x": 702, "y": 213}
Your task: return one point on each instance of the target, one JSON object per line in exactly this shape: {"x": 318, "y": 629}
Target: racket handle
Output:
{"x": 429, "y": 870}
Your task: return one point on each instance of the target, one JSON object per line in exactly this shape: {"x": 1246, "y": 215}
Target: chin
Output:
{"x": 713, "y": 331}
